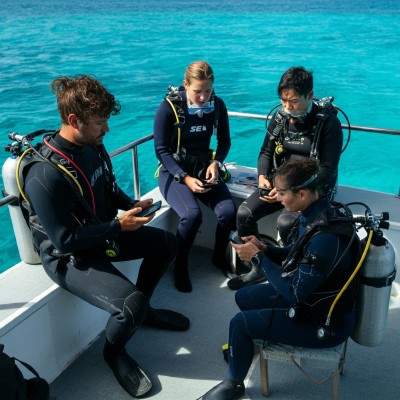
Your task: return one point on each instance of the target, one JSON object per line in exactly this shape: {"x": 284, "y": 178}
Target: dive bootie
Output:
{"x": 219, "y": 258}
{"x": 166, "y": 319}
{"x": 226, "y": 390}
{"x": 37, "y": 389}
{"x": 182, "y": 280}
{"x": 127, "y": 371}
{"x": 181, "y": 266}
{"x": 250, "y": 278}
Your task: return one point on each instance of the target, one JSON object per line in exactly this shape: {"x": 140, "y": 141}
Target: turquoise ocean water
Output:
{"x": 137, "y": 48}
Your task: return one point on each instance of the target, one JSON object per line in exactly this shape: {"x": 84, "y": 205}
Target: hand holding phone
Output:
{"x": 208, "y": 185}
{"x": 235, "y": 238}
{"x": 263, "y": 191}
{"x": 149, "y": 210}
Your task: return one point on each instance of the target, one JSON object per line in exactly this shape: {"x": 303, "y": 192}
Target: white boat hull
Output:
{"x": 49, "y": 328}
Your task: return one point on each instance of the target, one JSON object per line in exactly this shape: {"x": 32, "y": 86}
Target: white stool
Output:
{"x": 281, "y": 352}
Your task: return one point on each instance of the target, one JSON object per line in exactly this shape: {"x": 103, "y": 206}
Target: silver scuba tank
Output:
{"x": 377, "y": 274}
{"x": 21, "y": 230}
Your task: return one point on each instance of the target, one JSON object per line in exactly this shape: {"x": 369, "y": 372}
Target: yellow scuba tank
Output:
{"x": 376, "y": 276}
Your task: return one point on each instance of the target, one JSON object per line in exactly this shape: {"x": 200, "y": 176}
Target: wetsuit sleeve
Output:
{"x": 330, "y": 147}
{"x": 306, "y": 279}
{"x": 265, "y": 157}
{"x": 223, "y": 133}
{"x": 277, "y": 252}
{"x": 49, "y": 194}
{"x": 164, "y": 128}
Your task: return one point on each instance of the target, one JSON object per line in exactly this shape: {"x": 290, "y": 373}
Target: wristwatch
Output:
{"x": 256, "y": 259}
{"x": 180, "y": 177}
{"x": 220, "y": 166}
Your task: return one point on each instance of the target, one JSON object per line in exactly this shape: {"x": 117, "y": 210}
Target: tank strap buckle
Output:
{"x": 379, "y": 282}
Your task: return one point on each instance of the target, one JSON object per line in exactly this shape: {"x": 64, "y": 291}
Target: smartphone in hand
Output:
{"x": 263, "y": 191}
{"x": 235, "y": 238}
{"x": 150, "y": 209}
{"x": 208, "y": 185}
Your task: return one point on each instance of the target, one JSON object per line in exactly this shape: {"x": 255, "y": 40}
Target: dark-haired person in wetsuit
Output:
{"x": 74, "y": 201}
{"x": 305, "y": 276}
{"x": 183, "y": 127}
{"x": 291, "y": 134}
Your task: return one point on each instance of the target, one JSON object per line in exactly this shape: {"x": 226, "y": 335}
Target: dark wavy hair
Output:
{"x": 83, "y": 96}
{"x": 299, "y": 174}
{"x": 297, "y": 79}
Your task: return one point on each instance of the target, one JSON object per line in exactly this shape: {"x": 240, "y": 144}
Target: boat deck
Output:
{"x": 184, "y": 365}
{"x": 47, "y": 327}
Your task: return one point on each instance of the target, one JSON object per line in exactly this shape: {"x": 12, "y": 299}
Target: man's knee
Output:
{"x": 284, "y": 225}
{"x": 135, "y": 308}
{"x": 124, "y": 323}
{"x": 243, "y": 214}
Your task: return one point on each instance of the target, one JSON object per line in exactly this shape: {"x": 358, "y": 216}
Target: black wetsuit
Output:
{"x": 74, "y": 254}
{"x": 296, "y": 140}
{"x": 264, "y": 307}
{"x": 196, "y": 135}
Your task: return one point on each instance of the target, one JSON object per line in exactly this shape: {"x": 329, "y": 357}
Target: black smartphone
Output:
{"x": 208, "y": 185}
{"x": 150, "y": 210}
{"x": 263, "y": 191}
{"x": 235, "y": 238}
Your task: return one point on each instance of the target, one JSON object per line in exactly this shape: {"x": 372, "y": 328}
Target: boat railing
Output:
{"x": 133, "y": 146}
{"x": 344, "y": 126}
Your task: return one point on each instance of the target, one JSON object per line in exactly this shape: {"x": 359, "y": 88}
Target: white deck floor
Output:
{"x": 184, "y": 365}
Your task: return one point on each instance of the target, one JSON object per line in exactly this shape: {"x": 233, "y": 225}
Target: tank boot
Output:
{"x": 226, "y": 390}
{"x": 166, "y": 319}
{"x": 219, "y": 258}
{"x": 127, "y": 371}
{"x": 250, "y": 278}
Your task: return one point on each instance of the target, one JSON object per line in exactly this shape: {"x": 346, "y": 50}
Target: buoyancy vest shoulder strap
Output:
{"x": 175, "y": 99}
{"x": 325, "y": 110}
{"x": 45, "y": 154}
{"x": 332, "y": 220}
{"x": 322, "y": 115}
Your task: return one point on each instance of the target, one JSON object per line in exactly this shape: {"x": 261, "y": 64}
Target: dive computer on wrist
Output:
{"x": 256, "y": 259}
{"x": 180, "y": 177}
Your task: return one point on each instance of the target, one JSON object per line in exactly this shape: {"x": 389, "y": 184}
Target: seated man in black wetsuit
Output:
{"x": 73, "y": 200}
{"x": 299, "y": 129}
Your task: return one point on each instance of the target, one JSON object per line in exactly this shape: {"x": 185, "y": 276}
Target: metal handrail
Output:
{"x": 134, "y": 145}
{"x": 135, "y": 160}
{"x": 344, "y": 126}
